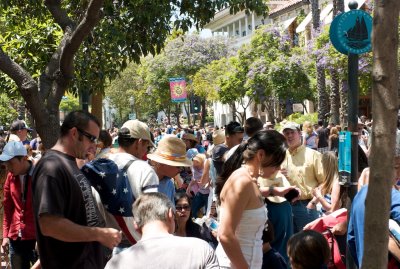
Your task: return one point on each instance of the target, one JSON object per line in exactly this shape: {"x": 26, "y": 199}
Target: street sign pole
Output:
{"x": 350, "y": 34}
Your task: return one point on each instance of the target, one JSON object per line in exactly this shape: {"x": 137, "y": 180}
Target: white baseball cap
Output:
{"x": 138, "y": 129}
{"x": 11, "y": 150}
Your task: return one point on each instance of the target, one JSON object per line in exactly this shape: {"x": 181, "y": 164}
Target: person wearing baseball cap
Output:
{"x": 303, "y": 168}
{"x": 18, "y": 224}
{"x": 20, "y": 129}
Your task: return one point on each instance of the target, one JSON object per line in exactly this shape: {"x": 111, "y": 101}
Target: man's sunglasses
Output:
{"x": 92, "y": 138}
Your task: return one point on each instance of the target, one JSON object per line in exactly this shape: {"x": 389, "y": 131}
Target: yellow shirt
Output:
{"x": 304, "y": 170}
{"x": 276, "y": 180}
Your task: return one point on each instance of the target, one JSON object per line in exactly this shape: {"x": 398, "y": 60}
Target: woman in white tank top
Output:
{"x": 243, "y": 215}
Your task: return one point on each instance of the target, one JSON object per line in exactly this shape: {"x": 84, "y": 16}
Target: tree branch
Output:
{"x": 60, "y": 16}
{"x": 73, "y": 43}
{"x": 27, "y": 86}
{"x": 20, "y": 76}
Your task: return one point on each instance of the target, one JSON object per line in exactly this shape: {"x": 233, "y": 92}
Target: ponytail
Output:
{"x": 234, "y": 162}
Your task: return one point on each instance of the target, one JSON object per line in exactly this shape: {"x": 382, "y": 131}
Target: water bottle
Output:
{"x": 212, "y": 224}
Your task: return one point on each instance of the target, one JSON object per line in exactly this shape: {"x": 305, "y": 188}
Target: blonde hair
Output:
{"x": 201, "y": 158}
{"x": 330, "y": 167}
{"x": 307, "y": 127}
{"x": 334, "y": 132}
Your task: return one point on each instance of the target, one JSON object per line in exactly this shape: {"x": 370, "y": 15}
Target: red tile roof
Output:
{"x": 286, "y": 5}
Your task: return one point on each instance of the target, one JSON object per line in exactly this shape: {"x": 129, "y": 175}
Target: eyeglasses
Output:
{"x": 92, "y": 138}
{"x": 184, "y": 207}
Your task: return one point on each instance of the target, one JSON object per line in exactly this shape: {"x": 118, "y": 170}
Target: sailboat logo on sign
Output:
{"x": 350, "y": 32}
{"x": 357, "y": 36}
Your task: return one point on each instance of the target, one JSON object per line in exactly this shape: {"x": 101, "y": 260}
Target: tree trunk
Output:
{"x": 338, "y": 6}
{"x": 234, "y": 110}
{"x": 43, "y": 97}
{"x": 97, "y": 106}
{"x": 187, "y": 110}
{"x": 384, "y": 108}
{"x": 335, "y": 97}
{"x": 323, "y": 99}
{"x": 269, "y": 108}
{"x": 177, "y": 111}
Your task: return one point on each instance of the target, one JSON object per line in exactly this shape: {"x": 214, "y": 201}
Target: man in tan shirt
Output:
{"x": 303, "y": 168}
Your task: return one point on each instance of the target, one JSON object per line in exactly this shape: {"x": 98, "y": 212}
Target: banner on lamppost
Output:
{"x": 177, "y": 87}
{"x": 345, "y": 157}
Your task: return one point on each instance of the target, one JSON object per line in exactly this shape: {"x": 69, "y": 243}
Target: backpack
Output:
{"x": 324, "y": 225}
{"x": 114, "y": 189}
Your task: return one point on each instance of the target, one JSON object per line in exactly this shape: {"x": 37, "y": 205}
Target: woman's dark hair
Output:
{"x": 308, "y": 250}
{"x": 106, "y": 138}
{"x": 193, "y": 229}
{"x": 271, "y": 141}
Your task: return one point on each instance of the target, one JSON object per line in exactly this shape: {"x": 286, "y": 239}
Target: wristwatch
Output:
{"x": 271, "y": 191}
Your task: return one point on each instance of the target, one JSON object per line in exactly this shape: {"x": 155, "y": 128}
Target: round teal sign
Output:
{"x": 350, "y": 32}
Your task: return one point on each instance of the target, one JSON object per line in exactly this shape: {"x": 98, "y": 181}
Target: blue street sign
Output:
{"x": 350, "y": 32}
{"x": 344, "y": 157}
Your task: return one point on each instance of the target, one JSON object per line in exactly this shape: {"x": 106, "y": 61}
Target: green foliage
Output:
{"x": 7, "y": 111}
{"x": 128, "y": 30}
{"x": 31, "y": 47}
{"x": 130, "y": 83}
{"x": 273, "y": 68}
{"x": 300, "y": 119}
{"x": 288, "y": 79}
{"x": 232, "y": 82}
{"x": 206, "y": 80}
{"x": 69, "y": 103}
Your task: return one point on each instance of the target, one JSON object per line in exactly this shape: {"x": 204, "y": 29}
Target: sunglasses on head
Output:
{"x": 92, "y": 138}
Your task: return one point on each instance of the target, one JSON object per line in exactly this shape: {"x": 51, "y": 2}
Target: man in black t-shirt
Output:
{"x": 69, "y": 228}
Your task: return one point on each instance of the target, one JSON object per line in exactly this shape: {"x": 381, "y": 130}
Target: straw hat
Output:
{"x": 218, "y": 137}
{"x": 170, "y": 151}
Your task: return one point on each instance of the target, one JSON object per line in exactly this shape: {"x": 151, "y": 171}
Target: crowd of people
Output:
{"x": 229, "y": 197}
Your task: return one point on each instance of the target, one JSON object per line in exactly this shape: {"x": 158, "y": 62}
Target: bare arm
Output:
{"x": 65, "y": 230}
{"x": 234, "y": 203}
{"x": 335, "y": 196}
{"x": 179, "y": 181}
{"x": 205, "y": 178}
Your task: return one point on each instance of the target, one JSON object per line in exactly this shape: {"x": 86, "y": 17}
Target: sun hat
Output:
{"x": 13, "y": 149}
{"x": 170, "y": 151}
{"x": 218, "y": 137}
{"x": 139, "y": 130}
{"x": 19, "y": 125}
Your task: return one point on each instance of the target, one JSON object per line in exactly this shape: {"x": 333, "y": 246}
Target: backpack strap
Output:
{"x": 127, "y": 165}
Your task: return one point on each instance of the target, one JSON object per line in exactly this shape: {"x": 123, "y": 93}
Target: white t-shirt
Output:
{"x": 167, "y": 252}
{"x": 141, "y": 175}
